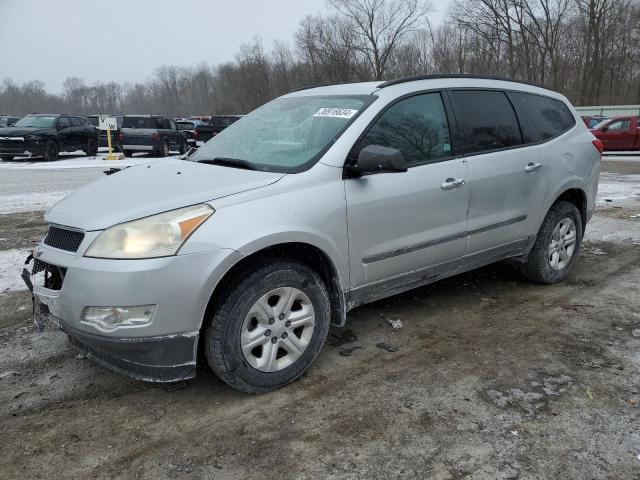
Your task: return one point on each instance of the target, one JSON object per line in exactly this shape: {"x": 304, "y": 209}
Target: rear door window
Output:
{"x": 546, "y": 117}
{"x": 63, "y": 122}
{"x": 417, "y": 126}
{"x": 485, "y": 121}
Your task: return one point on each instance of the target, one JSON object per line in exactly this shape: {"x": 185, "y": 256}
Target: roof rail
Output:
{"x": 397, "y": 81}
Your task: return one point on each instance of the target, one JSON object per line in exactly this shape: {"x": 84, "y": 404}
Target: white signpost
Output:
{"x": 109, "y": 124}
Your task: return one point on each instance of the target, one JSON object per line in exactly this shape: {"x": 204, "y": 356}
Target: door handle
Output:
{"x": 532, "y": 167}
{"x": 451, "y": 183}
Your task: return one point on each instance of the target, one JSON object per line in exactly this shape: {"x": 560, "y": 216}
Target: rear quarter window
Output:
{"x": 546, "y": 117}
{"x": 139, "y": 122}
{"x": 485, "y": 121}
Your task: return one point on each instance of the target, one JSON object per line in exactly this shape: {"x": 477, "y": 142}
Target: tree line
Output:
{"x": 587, "y": 49}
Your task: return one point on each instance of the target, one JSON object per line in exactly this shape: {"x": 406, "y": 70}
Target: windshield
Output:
{"x": 38, "y": 122}
{"x": 286, "y": 134}
{"x": 596, "y": 122}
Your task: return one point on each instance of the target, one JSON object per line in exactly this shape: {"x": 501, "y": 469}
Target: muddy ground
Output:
{"x": 493, "y": 378}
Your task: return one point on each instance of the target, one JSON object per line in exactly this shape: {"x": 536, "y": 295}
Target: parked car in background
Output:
{"x": 619, "y": 133}
{"x": 592, "y": 120}
{"x": 7, "y": 121}
{"x": 216, "y": 124}
{"x": 103, "y": 141}
{"x": 229, "y": 255}
{"x": 154, "y": 134}
{"x": 46, "y": 135}
{"x": 189, "y": 127}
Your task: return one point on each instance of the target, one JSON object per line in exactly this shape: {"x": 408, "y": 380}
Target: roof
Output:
{"x": 409, "y": 85}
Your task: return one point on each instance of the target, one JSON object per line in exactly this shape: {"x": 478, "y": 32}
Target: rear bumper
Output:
{"x": 138, "y": 148}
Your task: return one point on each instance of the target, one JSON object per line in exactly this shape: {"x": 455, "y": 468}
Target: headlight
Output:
{"x": 160, "y": 235}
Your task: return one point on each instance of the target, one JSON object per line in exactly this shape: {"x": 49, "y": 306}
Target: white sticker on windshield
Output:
{"x": 335, "y": 112}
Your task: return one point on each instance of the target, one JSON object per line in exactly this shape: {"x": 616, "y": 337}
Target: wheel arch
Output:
{"x": 576, "y": 196}
{"x": 305, "y": 253}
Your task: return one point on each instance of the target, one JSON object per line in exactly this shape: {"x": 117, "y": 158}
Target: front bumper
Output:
{"x": 180, "y": 287}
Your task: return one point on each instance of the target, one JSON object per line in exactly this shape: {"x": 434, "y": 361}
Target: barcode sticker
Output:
{"x": 335, "y": 112}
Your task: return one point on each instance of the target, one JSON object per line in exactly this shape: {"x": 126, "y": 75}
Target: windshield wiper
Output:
{"x": 229, "y": 162}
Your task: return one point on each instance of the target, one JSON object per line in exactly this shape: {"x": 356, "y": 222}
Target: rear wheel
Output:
{"x": 183, "y": 148}
{"x": 164, "y": 150}
{"x": 51, "y": 151}
{"x": 92, "y": 147}
{"x": 128, "y": 153}
{"x": 557, "y": 245}
{"x": 269, "y": 327}
{"x": 7, "y": 158}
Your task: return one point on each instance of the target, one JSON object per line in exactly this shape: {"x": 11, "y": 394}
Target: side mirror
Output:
{"x": 604, "y": 129}
{"x": 379, "y": 159}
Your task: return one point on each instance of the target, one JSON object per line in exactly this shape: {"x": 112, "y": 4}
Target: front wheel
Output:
{"x": 51, "y": 151}
{"x": 269, "y": 327}
{"x": 7, "y": 158}
{"x": 556, "y": 246}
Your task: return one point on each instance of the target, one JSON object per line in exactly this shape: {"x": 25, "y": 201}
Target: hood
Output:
{"x": 152, "y": 188}
{"x": 20, "y": 131}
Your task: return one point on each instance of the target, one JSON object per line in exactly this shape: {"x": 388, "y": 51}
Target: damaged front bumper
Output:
{"x": 167, "y": 358}
{"x": 165, "y": 350}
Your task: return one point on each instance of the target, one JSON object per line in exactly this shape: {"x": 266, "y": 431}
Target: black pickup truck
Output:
{"x": 46, "y": 135}
{"x": 216, "y": 124}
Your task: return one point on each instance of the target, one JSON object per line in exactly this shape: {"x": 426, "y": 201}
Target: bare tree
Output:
{"x": 381, "y": 26}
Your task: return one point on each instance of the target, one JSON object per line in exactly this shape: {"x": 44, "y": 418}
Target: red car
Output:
{"x": 619, "y": 133}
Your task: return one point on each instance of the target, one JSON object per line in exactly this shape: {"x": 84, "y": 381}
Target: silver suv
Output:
{"x": 317, "y": 202}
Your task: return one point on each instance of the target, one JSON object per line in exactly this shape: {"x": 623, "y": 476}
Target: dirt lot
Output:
{"x": 493, "y": 378}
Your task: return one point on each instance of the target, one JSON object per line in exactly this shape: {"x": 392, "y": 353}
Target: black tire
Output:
{"x": 92, "y": 147}
{"x": 128, "y": 153}
{"x": 51, "y": 151}
{"x": 538, "y": 266}
{"x": 7, "y": 158}
{"x": 183, "y": 148}
{"x": 222, "y": 334}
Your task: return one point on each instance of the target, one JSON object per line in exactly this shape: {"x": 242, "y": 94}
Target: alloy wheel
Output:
{"x": 278, "y": 329}
{"x": 562, "y": 244}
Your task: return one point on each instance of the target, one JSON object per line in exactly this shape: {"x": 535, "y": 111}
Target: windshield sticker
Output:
{"x": 335, "y": 112}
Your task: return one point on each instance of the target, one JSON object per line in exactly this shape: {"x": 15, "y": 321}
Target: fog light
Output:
{"x": 110, "y": 318}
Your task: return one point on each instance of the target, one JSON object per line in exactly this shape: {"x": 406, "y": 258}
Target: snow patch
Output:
{"x": 30, "y": 202}
{"x": 11, "y": 263}
{"x": 615, "y": 187}
{"x": 77, "y": 162}
{"x": 606, "y": 229}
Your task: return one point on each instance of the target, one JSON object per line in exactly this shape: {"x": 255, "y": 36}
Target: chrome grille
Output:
{"x": 64, "y": 239}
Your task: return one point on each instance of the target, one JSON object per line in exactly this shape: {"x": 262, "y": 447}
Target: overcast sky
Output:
{"x": 125, "y": 40}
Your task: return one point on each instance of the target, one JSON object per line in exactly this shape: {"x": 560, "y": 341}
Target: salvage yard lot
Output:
{"x": 493, "y": 377}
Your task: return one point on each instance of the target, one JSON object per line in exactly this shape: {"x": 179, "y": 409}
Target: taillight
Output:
{"x": 121, "y": 136}
{"x": 156, "y": 136}
{"x": 599, "y": 145}
{"x": 195, "y": 134}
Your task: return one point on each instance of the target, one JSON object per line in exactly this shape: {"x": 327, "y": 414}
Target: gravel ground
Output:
{"x": 490, "y": 377}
